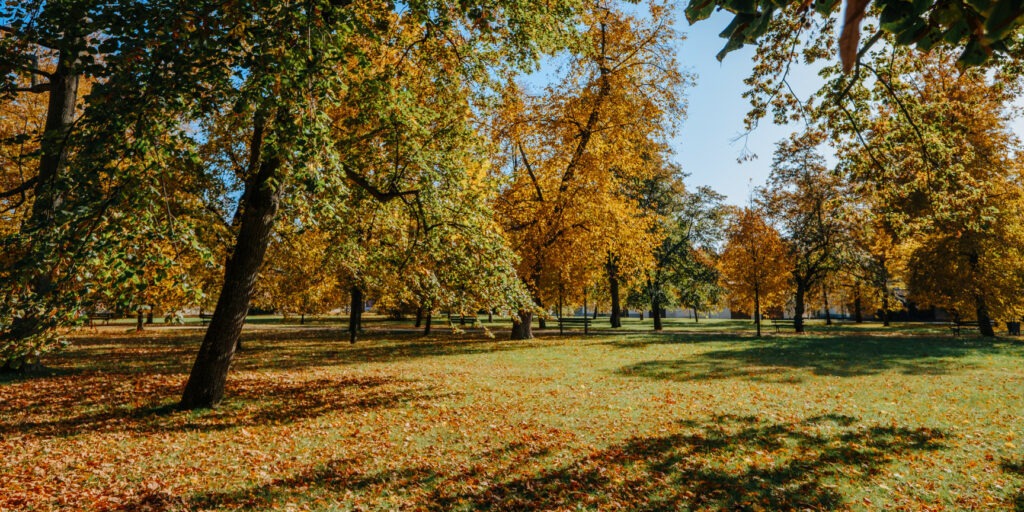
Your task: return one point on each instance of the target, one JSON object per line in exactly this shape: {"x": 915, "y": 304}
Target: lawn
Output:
{"x": 702, "y": 418}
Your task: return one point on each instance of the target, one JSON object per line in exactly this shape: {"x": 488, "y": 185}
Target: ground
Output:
{"x": 703, "y": 418}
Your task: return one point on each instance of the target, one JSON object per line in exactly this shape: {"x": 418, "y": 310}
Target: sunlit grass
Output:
{"x": 702, "y": 417}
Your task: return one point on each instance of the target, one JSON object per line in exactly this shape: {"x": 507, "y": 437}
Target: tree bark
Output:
{"x": 757, "y": 309}
{"x": 138, "y": 320}
{"x": 426, "y": 322}
{"x": 656, "y": 312}
{"x": 798, "y": 307}
{"x": 259, "y": 205}
{"x": 613, "y": 288}
{"x": 984, "y": 320}
{"x": 47, "y": 198}
{"x": 885, "y": 307}
{"x": 419, "y": 316}
{"x": 149, "y": 316}
{"x": 858, "y": 313}
{"x": 522, "y": 330}
{"x": 828, "y": 314}
{"x": 355, "y": 314}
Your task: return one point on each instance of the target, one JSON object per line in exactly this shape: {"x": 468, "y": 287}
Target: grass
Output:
{"x": 700, "y": 418}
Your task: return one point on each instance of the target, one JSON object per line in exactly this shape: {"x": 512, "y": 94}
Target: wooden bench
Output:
{"x": 470, "y": 320}
{"x": 100, "y": 315}
{"x": 780, "y": 323}
{"x": 957, "y": 327}
{"x": 563, "y": 322}
{"x": 204, "y": 318}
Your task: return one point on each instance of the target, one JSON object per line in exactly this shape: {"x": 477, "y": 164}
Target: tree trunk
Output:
{"x": 47, "y": 197}
{"x": 523, "y": 330}
{"x": 259, "y": 205}
{"x": 426, "y": 323}
{"x": 757, "y": 310}
{"x": 656, "y": 312}
{"x": 828, "y": 314}
{"x": 595, "y": 312}
{"x": 885, "y": 307}
{"x": 798, "y": 307}
{"x": 858, "y": 313}
{"x": 139, "y": 320}
{"x": 613, "y": 288}
{"x": 696, "y": 319}
{"x": 149, "y": 316}
{"x": 355, "y": 314}
{"x": 419, "y": 316}
{"x": 984, "y": 321}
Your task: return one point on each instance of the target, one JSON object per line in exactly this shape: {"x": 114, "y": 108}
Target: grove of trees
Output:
{"x": 305, "y": 157}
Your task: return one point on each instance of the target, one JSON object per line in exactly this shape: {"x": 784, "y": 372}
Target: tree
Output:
{"x": 689, "y": 226}
{"x": 807, "y": 201}
{"x": 569, "y": 152}
{"x": 100, "y": 189}
{"x": 754, "y": 264}
{"x": 942, "y": 147}
{"x": 295, "y": 279}
{"x": 318, "y": 82}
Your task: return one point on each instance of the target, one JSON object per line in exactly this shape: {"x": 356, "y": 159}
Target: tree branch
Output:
{"x": 20, "y": 189}
{"x": 377, "y": 193}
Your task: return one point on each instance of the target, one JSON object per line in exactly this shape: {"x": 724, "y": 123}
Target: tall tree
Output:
{"x": 941, "y": 145}
{"x": 806, "y": 199}
{"x": 315, "y": 80}
{"x": 569, "y": 152}
{"x": 755, "y": 266}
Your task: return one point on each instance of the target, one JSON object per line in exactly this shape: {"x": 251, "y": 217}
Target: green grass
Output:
{"x": 703, "y": 417}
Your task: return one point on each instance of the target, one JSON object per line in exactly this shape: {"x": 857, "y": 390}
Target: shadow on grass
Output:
{"x": 711, "y": 466}
{"x": 290, "y": 349}
{"x": 638, "y": 340}
{"x": 1017, "y": 468}
{"x": 832, "y": 356}
{"x": 101, "y": 403}
{"x": 131, "y": 383}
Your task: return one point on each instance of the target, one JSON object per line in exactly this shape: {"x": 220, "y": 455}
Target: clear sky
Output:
{"x": 704, "y": 146}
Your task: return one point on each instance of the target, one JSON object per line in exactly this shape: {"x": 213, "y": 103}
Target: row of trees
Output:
{"x": 926, "y": 196}
{"x": 156, "y": 153}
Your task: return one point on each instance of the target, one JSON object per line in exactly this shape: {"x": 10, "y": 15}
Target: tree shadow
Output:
{"x": 105, "y": 403}
{"x": 284, "y": 350}
{"x": 639, "y": 340}
{"x": 1017, "y": 468}
{"x": 832, "y": 356}
{"x": 727, "y": 463}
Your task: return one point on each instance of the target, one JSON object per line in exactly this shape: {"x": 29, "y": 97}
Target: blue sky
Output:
{"x": 704, "y": 145}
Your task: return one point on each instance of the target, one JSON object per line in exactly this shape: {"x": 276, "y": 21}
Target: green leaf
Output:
{"x": 699, "y": 10}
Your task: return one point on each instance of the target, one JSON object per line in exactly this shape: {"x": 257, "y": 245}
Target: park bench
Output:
{"x": 204, "y": 318}
{"x": 572, "y": 321}
{"x": 470, "y": 320}
{"x": 780, "y": 323}
{"x": 100, "y": 315}
{"x": 957, "y": 327}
